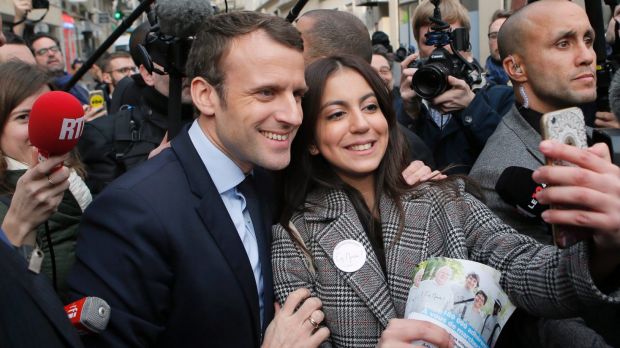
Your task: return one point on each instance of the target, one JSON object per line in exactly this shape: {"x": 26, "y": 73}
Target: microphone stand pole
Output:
{"x": 294, "y": 12}
{"x": 177, "y": 56}
{"x": 125, "y": 24}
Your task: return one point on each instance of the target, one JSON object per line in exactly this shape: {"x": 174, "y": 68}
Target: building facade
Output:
{"x": 80, "y": 25}
{"x": 392, "y": 16}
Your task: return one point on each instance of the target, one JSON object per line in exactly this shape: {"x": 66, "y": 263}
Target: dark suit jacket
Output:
{"x": 159, "y": 246}
{"x": 31, "y": 315}
{"x": 462, "y": 138}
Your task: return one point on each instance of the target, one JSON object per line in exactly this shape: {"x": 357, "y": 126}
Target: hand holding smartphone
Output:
{"x": 96, "y": 105}
{"x": 566, "y": 126}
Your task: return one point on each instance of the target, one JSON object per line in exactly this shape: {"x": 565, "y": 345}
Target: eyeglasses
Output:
{"x": 124, "y": 70}
{"x": 493, "y": 36}
{"x": 43, "y": 51}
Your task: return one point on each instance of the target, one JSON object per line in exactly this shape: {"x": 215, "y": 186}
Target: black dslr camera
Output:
{"x": 431, "y": 79}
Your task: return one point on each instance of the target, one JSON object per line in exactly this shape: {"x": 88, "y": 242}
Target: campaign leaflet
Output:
{"x": 463, "y": 297}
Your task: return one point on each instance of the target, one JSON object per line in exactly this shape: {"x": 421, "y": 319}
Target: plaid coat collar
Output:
{"x": 332, "y": 219}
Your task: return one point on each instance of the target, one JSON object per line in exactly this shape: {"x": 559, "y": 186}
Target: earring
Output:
{"x": 313, "y": 150}
{"x": 526, "y": 100}
{"x": 515, "y": 65}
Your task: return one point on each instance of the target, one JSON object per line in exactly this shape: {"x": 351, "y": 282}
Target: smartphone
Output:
{"x": 96, "y": 100}
{"x": 566, "y": 126}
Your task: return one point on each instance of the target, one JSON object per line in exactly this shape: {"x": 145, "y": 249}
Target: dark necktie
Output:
{"x": 248, "y": 189}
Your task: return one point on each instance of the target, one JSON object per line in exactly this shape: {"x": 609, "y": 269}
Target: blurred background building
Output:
{"x": 390, "y": 16}
{"x": 82, "y": 25}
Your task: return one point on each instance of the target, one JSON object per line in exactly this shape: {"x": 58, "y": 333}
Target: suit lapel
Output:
{"x": 368, "y": 282}
{"x": 218, "y": 223}
{"x": 530, "y": 138}
{"x": 38, "y": 287}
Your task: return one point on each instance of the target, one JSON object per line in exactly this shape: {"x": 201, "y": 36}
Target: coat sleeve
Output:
{"x": 291, "y": 267}
{"x": 485, "y": 112}
{"x": 543, "y": 279}
{"x": 122, "y": 257}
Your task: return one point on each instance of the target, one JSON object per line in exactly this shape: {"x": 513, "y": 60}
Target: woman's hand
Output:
{"x": 37, "y": 195}
{"x": 592, "y": 191}
{"x": 402, "y": 332}
{"x": 418, "y": 172}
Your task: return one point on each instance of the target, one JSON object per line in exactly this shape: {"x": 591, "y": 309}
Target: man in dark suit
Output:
{"x": 32, "y": 314}
{"x": 179, "y": 246}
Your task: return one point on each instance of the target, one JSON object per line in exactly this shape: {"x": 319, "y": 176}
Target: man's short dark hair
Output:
{"x": 475, "y": 276}
{"x": 380, "y": 50}
{"x": 213, "y": 42}
{"x": 335, "y": 33}
{"x": 510, "y": 38}
{"x": 38, "y": 36}
{"x": 105, "y": 63}
{"x": 480, "y": 292}
{"x": 500, "y": 14}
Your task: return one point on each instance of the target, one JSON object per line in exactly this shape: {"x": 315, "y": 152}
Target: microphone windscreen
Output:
{"x": 95, "y": 314}
{"x": 88, "y": 314}
{"x": 182, "y": 18}
{"x": 56, "y": 123}
{"x": 517, "y": 188}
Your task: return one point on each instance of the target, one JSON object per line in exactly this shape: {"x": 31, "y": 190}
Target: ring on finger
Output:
{"x": 49, "y": 179}
{"x": 313, "y": 322}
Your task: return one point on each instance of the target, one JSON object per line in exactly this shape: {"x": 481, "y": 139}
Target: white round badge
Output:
{"x": 349, "y": 255}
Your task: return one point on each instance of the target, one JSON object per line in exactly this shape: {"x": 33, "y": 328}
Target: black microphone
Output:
{"x": 517, "y": 188}
{"x": 182, "y": 18}
{"x": 178, "y": 21}
{"x": 89, "y": 314}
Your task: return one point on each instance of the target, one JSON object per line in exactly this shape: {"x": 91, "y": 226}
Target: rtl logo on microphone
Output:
{"x": 534, "y": 201}
{"x": 72, "y": 310}
{"x": 71, "y": 128}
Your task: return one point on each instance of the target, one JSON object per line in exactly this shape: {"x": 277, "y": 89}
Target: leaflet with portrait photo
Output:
{"x": 461, "y": 296}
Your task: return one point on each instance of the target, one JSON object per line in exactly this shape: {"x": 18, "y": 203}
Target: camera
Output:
{"x": 40, "y": 4}
{"x": 431, "y": 79}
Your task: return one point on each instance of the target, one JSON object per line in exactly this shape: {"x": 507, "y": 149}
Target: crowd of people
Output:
{"x": 299, "y": 156}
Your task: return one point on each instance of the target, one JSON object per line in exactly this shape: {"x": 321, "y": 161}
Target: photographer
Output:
{"x": 455, "y": 124}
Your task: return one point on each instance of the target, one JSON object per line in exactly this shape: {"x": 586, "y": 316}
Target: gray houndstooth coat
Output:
{"x": 514, "y": 143}
{"x": 358, "y": 305}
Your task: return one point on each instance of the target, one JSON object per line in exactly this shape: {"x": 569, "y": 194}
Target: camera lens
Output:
{"x": 430, "y": 81}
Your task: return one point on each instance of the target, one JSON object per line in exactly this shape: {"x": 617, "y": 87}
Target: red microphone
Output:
{"x": 56, "y": 123}
{"x": 89, "y": 314}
